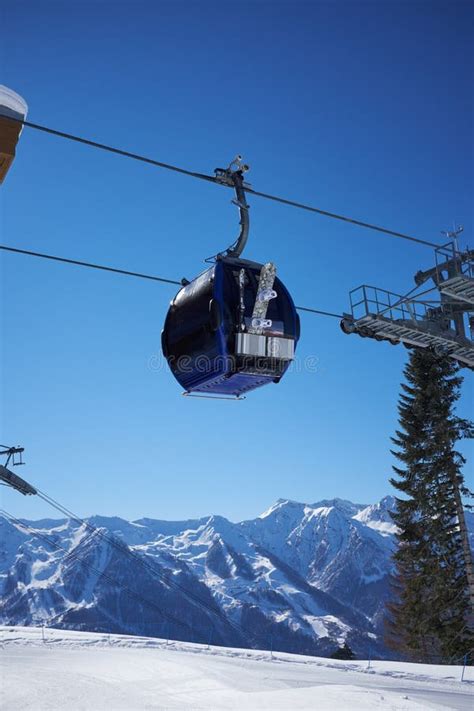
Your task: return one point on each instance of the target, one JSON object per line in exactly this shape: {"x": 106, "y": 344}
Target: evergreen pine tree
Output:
{"x": 431, "y": 616}
{"x": 344, "y": 652}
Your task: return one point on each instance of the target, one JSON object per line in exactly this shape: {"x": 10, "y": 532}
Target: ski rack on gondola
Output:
{"x": 446, "y": 326}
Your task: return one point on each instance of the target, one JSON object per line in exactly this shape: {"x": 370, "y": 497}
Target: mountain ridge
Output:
{"x": 308, "y": 576}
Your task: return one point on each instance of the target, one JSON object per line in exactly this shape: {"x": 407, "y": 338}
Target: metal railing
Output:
{"x": 370, "y": 300}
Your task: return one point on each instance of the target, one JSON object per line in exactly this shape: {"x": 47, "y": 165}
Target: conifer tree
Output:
{"x": 344, "y": 652}
{"x": 431, "y": 617}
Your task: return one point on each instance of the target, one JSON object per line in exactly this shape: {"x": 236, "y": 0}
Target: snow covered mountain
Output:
{"x": 299, "y": 578}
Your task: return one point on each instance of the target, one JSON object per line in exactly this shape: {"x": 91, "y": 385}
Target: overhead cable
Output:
{"x": 89, "y": 265}
{"x": 125, "y": 550}
{"x": 212, "y": 179}
{"x": 100, "y": 573}
{"x": 138, "y": 275}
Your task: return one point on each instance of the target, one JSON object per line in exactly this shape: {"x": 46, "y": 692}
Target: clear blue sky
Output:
{"x": 359, "y": 108}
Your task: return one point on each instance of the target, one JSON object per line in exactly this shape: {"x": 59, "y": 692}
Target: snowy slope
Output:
{"x": 303, "y": 578}
{"x": 92, "y": 672}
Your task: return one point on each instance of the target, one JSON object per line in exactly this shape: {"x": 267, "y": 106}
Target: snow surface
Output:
{"x": 378, "y": 516}
{"x": 13, "y": 101}
{"x": 92, "y": 672}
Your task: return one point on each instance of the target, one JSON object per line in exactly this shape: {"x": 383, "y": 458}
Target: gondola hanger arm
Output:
{"x": 233, "y": 176}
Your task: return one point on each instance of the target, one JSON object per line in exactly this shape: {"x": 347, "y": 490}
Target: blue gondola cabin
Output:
{"x": 211, "y": 339}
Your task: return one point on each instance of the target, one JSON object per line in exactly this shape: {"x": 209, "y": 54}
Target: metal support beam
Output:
{"x": 233, "y": 176}
{"x": 15, "y": 481}
{"x": 385, "y": 316}
{"x": 459, "y": 287}
{"x": 7, "y": 477}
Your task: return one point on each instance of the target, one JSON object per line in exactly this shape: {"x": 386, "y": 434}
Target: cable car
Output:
{"x": 235, "y": 327}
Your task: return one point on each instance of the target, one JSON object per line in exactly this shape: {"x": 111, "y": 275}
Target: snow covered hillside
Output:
{"x": 300, "y": 578}
{"x": 91, "y": 672}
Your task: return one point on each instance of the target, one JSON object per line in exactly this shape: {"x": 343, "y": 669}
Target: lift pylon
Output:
{"x": 453, "y": 273}
{"x": 386, "y": 316}
{"x": 7, "y": 477}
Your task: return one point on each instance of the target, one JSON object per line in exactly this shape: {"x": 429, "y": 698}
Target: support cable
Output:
{"x": 166, "y": 579}
{"x": 96, "y": 571}
{"x": 343, "y": 218}
{"x": 138, "y": 275}
{"x": 89, "y": 265}
{"x": 212, "y": 179}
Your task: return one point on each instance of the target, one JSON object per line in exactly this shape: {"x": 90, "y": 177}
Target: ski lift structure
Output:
{"x": 445, "y": 325}
{"x": 233, "y": 328}
{"x": 14, "y": 455}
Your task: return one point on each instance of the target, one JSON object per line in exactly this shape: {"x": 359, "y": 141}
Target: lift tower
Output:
{"x": 9, "y": 478}
{"x": 446, "y": 325}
